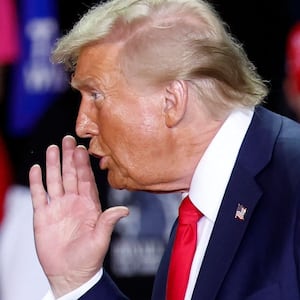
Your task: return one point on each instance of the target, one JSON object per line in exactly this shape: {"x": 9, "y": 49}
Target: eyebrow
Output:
{"x": 88, "y": 82}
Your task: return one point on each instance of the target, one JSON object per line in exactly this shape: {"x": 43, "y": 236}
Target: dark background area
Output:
{"x": 262, "y": 28}
{"x": 260, "y": 25}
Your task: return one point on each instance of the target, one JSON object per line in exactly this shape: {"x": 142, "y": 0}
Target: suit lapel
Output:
{"x": 227, "y": 234}
{"x": 228, "y": 231}
{"x": 242, "y": 189}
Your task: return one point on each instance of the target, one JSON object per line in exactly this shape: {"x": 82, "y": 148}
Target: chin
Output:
{"x": 121, "y": 183}
{"x": 116, "y": 182}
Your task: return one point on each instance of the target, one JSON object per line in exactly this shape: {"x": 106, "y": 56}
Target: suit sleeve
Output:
{"x": 104, "y": 289}
{"x": 297, "y": 236}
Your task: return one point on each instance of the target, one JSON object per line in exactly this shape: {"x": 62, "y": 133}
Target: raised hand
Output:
{"x": 72, "y": 234}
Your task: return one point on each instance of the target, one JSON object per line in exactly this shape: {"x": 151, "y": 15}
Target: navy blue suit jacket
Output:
{"x": 257, "y": 258}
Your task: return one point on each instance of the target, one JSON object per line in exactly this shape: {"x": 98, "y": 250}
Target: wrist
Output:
{"x": 61, "y": 286}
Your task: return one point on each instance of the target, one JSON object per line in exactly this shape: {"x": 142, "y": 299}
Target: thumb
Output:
{"x": 107, "y": 221}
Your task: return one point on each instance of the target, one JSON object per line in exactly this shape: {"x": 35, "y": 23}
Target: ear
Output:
{"x": 176, "y": 98}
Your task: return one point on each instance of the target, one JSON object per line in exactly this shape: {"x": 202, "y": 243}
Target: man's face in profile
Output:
{"x": 127, "y": 129}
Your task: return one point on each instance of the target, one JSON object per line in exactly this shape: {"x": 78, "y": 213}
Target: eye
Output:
{"x": 96, "y": 96}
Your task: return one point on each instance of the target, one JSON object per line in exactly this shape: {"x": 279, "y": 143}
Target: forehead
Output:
{"x": 96, "y": 61}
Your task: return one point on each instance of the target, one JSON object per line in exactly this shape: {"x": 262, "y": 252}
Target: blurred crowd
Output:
{"x": 38, "y": 108}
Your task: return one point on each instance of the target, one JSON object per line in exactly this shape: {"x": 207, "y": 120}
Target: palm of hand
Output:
{"x": 72, "y": 234}
{"x": 64, "y": 229}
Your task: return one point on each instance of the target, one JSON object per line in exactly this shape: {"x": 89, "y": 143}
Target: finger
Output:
{"x": 69, "y": 173}
{"x": 86, "y": 180}
{"x": 53, "y": 172}
{"x": 106, "y": 224}
{"x": 38, "y": 193}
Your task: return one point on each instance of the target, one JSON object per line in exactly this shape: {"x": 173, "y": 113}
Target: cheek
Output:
{"x": 125, "y": 127}
{"x": 130, "y": 148}
{"x": 116, "y": 137}
{"x": 130, "y": 131}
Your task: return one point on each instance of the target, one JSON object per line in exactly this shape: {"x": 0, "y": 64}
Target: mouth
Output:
{"x": 96, "y": 151}
{"x": 103, "y": 163}
{"x": 99, "y": 157}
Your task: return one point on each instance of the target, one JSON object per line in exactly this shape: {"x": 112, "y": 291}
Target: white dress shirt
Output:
{"x": 206, "y": 191}
{"x": 210, "y": 181}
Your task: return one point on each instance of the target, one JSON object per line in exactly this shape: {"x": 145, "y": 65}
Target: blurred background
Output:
{"x": 37, "y": 108}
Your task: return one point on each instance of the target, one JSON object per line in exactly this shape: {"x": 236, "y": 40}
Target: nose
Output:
{"x": 86, "y": 125}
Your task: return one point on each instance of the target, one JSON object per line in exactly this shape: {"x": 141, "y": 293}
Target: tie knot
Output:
{"x": 188, "y": 212}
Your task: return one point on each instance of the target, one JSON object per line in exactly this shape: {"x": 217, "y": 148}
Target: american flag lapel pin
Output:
{"x": 240, "y": 212}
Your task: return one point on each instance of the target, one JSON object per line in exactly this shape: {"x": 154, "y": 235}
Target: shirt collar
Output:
{"x": 215, "y": 167}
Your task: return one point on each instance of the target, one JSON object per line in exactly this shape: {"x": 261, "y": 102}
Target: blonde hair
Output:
{"x": 165, "y": 40}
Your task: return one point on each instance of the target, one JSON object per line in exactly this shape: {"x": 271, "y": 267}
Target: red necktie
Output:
{"x": 183, "y": 250}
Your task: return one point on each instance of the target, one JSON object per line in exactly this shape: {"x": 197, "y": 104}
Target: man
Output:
{"x": 170, "y": 103}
